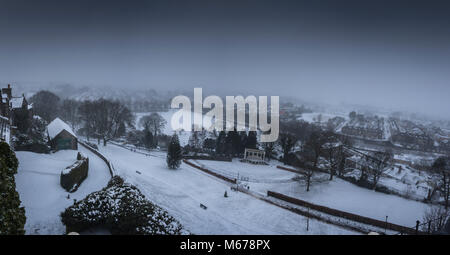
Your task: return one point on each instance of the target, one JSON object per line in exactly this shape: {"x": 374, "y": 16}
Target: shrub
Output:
{"x": 12, "y": 216}
{"x": 72, "y": 177}
{"x": 174, "y": 153}
{"x": 122, "y": 209}
{"x": 34, "y": 138}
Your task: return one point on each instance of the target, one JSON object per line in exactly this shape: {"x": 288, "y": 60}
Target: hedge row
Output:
{"x": 216, "y": 158}
{"x": 72, "y": 177}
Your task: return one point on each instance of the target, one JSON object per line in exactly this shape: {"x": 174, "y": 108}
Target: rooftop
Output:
{"x": 57, "y": 126}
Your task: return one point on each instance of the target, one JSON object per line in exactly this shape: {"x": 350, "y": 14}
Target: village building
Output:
{"x": 15, "y": 113}
{"x": 364, "y": 127}
{"x": 61, "y": 136}
{"x": 254, "y": 156}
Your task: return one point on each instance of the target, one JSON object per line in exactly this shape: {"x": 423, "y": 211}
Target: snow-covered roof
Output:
{"x": 16, "y": 102}
{"x": 56, "y": 126}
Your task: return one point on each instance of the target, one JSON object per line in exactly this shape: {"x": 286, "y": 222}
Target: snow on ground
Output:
{"x": 316, "y": 116}
{"x": 408, "y": 181}
{"x": 181, "y": 191}
{"x": 337, "y": 194}
{"x": 41, "y": 194}
{"x": 248, "y": 172}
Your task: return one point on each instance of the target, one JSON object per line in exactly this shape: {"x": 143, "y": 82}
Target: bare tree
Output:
{"x": 342, "y": 154}
{"x": 153, "y": 122}
{"x": 330, "y": 150}
{"x": 87, "y": 116}
{"x": 69, "y": 112}
{"x": 308, "y": 174}
{"x": 441, "y": 169}
{"x": 377, "y": 163}
{"x": 104, "y": 118}
{"x": 434, "y": 219}
{"x": 287, "y": 142}
{"x": 314, "y": 147}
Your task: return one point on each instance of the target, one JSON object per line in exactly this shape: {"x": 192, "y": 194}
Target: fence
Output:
{"x": 210, "y": 172}
{"x": 345, "y": 215}
{"x": 108, "y": 163}
{"x": 432, "y": 226}
{"x": 215, "y": 158}
{"x": 291, "y": 170}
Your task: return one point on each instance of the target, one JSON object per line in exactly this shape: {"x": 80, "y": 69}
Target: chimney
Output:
{"x": 7, "y": 91}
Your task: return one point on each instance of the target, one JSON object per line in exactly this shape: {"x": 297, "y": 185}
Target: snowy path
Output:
{"x": 40, "y": 192}
{"x": 181, "y": 191}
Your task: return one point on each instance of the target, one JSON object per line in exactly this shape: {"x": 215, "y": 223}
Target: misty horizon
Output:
{"x": 381, "y": 54}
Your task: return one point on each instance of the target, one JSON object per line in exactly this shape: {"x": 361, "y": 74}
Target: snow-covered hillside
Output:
{"x": 42, "y": 196}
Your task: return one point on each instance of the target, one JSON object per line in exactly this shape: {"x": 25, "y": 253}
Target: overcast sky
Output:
{"x": 364, "y": 52}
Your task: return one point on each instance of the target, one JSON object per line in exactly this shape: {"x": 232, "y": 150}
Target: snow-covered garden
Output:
{"x": 38, "y": 183}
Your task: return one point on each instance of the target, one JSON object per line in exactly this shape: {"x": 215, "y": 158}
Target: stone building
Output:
{"x": 61, "y": 136}
{"x": 15, "y": 112}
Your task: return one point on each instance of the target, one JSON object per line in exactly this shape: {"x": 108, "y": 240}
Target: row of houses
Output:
{"x": 365, "y": 127}
{"x": 410, "y": 135}
{"x": 12, "y": 109}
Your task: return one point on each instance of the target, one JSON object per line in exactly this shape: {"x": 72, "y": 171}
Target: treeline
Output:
{"x": 100, "y": 119}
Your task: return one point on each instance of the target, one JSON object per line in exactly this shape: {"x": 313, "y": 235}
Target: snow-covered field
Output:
{"x": 42, "y": 196}
{"x": 337, "y": 194}
{"x": 319, "y": 117}
{"x": 182, "y": 191}
{"x": 248, "y": 172}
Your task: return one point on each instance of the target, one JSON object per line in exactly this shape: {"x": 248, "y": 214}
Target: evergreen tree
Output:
{"x": 220, "y": 143}
{"x": 174, "y": 153}
{"x": 12, "y": 216}
{"x": 243, "y": 138}
{"x": 148, "y": 138}
{"x": 195, "y": 141}
{"x": 251, "y": 140}
{"x": 236, "y": 142}
{"x": 229, "y": 144}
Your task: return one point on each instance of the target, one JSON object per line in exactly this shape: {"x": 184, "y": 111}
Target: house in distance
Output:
{"x": 61, "y": 136}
